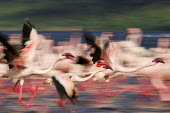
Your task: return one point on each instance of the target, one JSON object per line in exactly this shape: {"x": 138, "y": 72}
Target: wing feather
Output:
{"x": 9, "y": 51}
{"x": 90, "y": 40}
{"x": 26, "y": 30}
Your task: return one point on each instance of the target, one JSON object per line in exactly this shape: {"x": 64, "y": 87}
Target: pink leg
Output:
{"x": 107, "y": 89}
{"x": 34, "y": 92}
{"x": 20, "y": 90}
{"x": 31, "y": 100}
{"x": 27, "y": 90}
{"x": 81, "y": 86}
{"x": 61, "y": 102}
{"x": 27, "y": 104}
{"x": 117, "y": 92}
{"x": 122, "y": 91}
{"x": 37, "y": 86}
{"x": 20, "y": 94}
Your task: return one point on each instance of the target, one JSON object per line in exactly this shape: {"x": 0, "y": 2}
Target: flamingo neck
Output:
{"x": 48, "y": 69}
{"x": 77, "y": 78}
{"x": 122, "y": 69}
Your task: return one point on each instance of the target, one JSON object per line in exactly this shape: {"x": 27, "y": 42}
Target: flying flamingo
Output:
{"x": 22, "y": 66}
{"x": 65, "y": 84}
{"x": 100, "y": 58}
{"x": 156, "y": 75}
{"x": 157, "y": 79}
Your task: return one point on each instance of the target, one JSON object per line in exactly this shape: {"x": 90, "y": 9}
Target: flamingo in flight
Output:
{"x": 22, "y": 65}
{"x": 66, "y": 86}
{"x": 101, "y": 58}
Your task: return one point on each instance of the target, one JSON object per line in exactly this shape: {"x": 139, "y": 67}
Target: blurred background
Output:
{"x": 93, "y": 14}
{"x": 141, "y": 28}
{"x": 49, "y": 17}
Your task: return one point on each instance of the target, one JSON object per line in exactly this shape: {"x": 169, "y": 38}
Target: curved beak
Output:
{"x": 158, "y": 61}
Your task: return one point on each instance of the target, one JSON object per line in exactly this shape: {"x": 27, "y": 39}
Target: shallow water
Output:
{"x": 91, "y": 99}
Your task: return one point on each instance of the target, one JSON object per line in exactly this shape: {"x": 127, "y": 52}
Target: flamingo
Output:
{"x": 65, "y": 83}
{"x": 22, "y": 66}
{"x": 157, "y": 79}
{"x": 100, "y": 58}
{"x": 157, "y": 75}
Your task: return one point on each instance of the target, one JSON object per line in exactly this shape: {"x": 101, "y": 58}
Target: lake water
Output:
{"x": 91, "y": 99}
{"x": 149, "y": 40}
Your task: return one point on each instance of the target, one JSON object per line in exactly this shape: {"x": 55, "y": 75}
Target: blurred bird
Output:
{"x": 22, "y": 64}
{"x": 65, "y": 84}
{"x": 101, "y": 58}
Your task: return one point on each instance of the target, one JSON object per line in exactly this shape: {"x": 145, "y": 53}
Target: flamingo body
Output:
{"x": 65, "y": 87}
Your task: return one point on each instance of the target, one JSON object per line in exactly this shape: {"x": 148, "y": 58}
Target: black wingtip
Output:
{"x": 27, "y": 22}
{"x": 90, "y": 40}
{"x": 89, "y": 36}
{"x": 4, "y": 40}
{"x": 26, "y": 30}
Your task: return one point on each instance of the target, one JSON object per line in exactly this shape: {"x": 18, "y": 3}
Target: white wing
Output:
{"x": 28, "y": 53}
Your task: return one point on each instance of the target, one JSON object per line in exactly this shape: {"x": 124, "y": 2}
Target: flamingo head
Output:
{"x": 108, "y": 67}
{"x": 68, "y": 55}
{"x": 158, "y": 60}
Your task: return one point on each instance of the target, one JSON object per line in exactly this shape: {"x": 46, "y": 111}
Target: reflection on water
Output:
{"x": 91, "y": 99}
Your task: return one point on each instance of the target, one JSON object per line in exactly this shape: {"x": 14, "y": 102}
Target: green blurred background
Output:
{"x": 151, "y": 15}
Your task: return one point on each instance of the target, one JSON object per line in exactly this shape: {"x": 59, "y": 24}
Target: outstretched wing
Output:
{"x": 105, "y": 53}
{"x": 26, "y": 30}
{"x": 4, "y": 41}
{"x": 65, "y": 87}
{"x": 9, "y": 51}
{"x": 30, "y": 42}
{"x": 90, "y": 40}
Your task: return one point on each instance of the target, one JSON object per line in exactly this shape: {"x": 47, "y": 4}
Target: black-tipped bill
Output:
{"x": 108, "y": 67}
{"x": 158, "y": 60}
{"x": 68, "y": 55}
